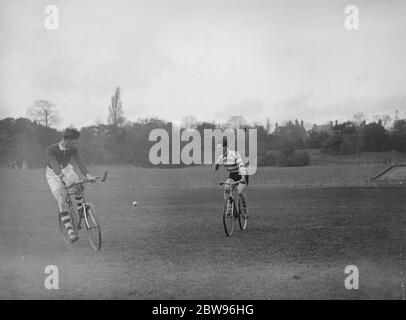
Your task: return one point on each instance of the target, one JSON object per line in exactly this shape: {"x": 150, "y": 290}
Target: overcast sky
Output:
{"x": 209, "y": 58}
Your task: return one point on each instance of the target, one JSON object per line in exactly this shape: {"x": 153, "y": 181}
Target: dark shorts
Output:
{"x": 236, "y": 176}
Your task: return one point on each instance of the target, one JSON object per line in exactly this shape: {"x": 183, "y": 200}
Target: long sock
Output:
{"x": 244, "y": 204}
{"x": 65, "y": 218}
{"x": 79, "y": 202}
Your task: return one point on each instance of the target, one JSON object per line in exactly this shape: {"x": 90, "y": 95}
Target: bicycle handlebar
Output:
{"x": 232, "y": 184}
{"x": 87, "y": 180}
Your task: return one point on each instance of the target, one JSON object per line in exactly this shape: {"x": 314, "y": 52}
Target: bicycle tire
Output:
{"x": 228, "y": 220}
{"x": 92, "y": 227}
{"x": 242, "y": 221}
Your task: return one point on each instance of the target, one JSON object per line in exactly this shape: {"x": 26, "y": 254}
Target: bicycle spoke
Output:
{"x": 92, "y": 226}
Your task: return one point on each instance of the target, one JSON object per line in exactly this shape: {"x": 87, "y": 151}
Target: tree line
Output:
{"x": 22, "y": 139}
{"x": 122, "y": 141}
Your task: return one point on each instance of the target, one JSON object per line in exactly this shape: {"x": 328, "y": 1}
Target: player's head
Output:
{"x": 70, "y": 137}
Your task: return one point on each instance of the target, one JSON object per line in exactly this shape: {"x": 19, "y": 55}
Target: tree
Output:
{"x": 316, "y": 139}
{"x": 385, "y": 119}
{"x": 359, "y": 118}
{"x": 116, "y": 110}
{"x": 23, "y": 140}
{"x": 236, "y": 122}
{"x": 268, "y": 125}
{"x": 375, "y": 137}
{"x": 43, "y": 112}
{"x": 398, "y": 135}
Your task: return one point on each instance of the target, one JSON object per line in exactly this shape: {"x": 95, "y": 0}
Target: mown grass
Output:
{"x": 129, "y": 177}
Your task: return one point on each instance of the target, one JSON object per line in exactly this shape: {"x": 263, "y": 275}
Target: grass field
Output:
{"x": 172, "y": 246}
{"x": 363, "y": 158}
{"x": 129, "y": 177}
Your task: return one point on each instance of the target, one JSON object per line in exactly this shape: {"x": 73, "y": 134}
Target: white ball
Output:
{"x": 135, "y": 203}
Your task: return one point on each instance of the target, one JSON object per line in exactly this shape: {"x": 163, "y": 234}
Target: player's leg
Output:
{"x": 243, "y": 196}
{"x": 227, "y": 188}
{"x": 59, "y": 193}
{"x": 60, "y": 196}
{"x": 227, "y": 192}
{"x": 72, "y": 176}
{"x": 79, "y": 202}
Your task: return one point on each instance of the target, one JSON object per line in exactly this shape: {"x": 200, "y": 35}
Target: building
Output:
{"x": 327, "y": 128}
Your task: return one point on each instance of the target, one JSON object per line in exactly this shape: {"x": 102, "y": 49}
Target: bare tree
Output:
{"x": 359, "y": 118}
{"x": 43, "y": 112}
{"x": 116, "y": 117}
{"x": 236, "y": 122}
{"x": 385, "y": 119}
{"x": 268, "y": 125}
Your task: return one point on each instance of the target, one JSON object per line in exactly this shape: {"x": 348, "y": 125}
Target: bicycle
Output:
{"x": 86, "y": 212}
{"x": 230, "y": 217}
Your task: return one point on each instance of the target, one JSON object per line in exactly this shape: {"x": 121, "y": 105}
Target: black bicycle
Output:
{"x": 86, "y": 212}
{"x": 232, "y": 211}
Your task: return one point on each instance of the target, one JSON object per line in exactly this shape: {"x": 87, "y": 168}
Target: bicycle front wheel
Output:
{"x": 242, "y": 220}
{"x": 228, "y": 218}
{"x": 93, "y": 227}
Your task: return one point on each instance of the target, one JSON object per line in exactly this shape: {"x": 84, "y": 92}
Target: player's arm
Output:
{"x": 54, "y": 163}
{"x": 82, "y": 167}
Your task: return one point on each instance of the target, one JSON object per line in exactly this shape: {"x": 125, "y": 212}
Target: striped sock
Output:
{"x": 79, "y": 202}
{"x": 65, "y": 218}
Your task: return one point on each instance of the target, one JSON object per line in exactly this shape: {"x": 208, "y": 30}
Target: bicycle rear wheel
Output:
{"x": 73, "y": 219}
{"x": 92, "y": 227}
{"x": 228, "y": 218}
{"x": 242, "y": 220}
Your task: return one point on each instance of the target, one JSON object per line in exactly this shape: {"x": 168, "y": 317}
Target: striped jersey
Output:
{"x": 233, "y": 162}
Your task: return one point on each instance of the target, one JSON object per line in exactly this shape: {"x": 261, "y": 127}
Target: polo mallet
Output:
{"x": 229, "y": 147}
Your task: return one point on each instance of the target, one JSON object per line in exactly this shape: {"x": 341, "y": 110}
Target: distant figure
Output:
{"x": 237, "y": 171}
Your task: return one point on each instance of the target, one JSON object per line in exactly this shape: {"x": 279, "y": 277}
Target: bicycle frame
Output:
{"x": 75, "y": 213}
{"x": 86, "y": 211}
{"x": 80, "y": 192}
{"x": 235, "y": 210}
{"x": 81, "y": 188}
{"x": 234, "y": 186}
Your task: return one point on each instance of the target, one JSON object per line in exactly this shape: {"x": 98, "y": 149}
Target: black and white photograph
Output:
{"x": 222, "y": 150}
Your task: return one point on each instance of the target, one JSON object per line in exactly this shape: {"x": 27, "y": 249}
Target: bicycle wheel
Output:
{"x": 92, "y": 227}
{"x": 242, "y": 221}
{"x": 228, "y": 219}
{"x": 73, "y": 219}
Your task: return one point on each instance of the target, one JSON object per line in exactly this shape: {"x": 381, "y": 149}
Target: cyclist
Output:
{"x": 234, "y": 164}
{"x": 60, "y": 173}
